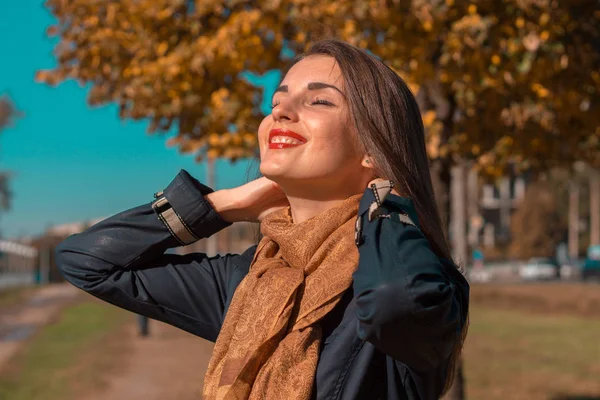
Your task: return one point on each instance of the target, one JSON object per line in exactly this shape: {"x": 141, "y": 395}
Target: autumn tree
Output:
{"x": 7, "y": 114}
{"x": 537, "y": 226}
{"x": 498, "y": 82}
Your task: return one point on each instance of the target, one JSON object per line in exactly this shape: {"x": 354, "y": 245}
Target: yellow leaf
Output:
{"x": 41, "y": 76}
{"x": 428, "y": 118}
{"x": 212, "y": 154}
{"x": 249, "y": 139}
{"x": 214, "y": 140}
{"x": 52, "y": 30}
{"x": 164, "y": 14}
{"x": 162, "y": 48}
{"x": 236, "y": 140}
{"x": 92, "y": 21}
{"x": 520, "y": 22}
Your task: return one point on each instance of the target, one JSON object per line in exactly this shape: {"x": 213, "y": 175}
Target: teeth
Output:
{"x": 284, "y": 139}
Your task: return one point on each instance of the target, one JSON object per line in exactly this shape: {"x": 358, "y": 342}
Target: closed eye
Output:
{"x": 322, "y": 102}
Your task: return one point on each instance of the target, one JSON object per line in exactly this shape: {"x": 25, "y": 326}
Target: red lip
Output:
{"x": 284, "y": 132}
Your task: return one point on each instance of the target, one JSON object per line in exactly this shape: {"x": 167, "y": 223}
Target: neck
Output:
{"x": 304, "y": 209}
{"x": 305, "y": 203}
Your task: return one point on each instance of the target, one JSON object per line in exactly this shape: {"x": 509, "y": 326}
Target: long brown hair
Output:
{"x": 389, "y": 127}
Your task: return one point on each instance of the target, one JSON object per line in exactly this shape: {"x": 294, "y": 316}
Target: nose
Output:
{"x": 285, "y": 111}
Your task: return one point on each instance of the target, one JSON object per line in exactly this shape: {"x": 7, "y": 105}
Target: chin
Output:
{"x": 272, "y": 171}
{"x": 281, "y": 174}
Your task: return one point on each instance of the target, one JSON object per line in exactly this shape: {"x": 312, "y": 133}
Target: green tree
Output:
{"x": 498, "y": 81}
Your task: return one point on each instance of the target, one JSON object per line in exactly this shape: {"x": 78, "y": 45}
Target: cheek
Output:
{"x": 263, "y": 130}
{"x": 334, "y": 141}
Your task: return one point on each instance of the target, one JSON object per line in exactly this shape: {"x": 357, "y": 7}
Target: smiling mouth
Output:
{"x": 284, "y": 139}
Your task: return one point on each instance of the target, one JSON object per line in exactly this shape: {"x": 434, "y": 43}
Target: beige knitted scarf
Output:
{"x": 268, "y": 347}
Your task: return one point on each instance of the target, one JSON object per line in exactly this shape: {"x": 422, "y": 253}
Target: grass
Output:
{"x": 59, "y": 354}
{"x": 517, "y": 348}
{"x": 522, "y": 355}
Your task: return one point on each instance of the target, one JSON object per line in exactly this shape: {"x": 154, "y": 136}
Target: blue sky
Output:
{"x": 72, "y": 162}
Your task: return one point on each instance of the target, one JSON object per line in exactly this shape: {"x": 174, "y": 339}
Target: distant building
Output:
{"x": 46, "y": 244}
{"x": 490, "y": 207}
{"x": 234, "y": 239}
{"x": 71, "y": 228}
{"x": 497, "y": 204}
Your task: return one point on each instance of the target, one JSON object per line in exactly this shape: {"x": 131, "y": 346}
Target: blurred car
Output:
{"x": 571, "y": 269}
{"x": 479, "y": 275}
{"x": 591, "y": 266}
{"x": 539, "y": 269}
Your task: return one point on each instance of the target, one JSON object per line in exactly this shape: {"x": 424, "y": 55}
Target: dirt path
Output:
{"x": 169, "y": 364}
{"x": 21, "y": 321}
{"x": 546, "y": 298}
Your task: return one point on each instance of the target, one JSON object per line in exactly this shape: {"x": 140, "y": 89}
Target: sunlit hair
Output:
{"x": 388, "y": 125}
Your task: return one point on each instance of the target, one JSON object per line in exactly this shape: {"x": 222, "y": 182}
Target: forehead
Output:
{"x": 317, "y": 68}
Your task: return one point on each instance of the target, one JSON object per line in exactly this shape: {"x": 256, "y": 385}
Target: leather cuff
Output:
{"x": 184, "y": 210}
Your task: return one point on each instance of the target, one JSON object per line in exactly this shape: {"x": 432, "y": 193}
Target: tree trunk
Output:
{"x": 474, "y": 219}
{"x": 458, "y": 219}
{"x": 594, "y": 208}
{"x": 441, "y": 179}
{"x": 211, "y": 241}
{"x": 573, "y": 220}
{"x": 458, "y": 244}
{"x": 440, "y": 175}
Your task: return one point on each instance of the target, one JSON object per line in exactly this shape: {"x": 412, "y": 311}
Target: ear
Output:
{"x": 367, "y": 162}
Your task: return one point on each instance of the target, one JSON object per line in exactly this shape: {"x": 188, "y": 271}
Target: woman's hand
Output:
{"x": 250, "y": 202}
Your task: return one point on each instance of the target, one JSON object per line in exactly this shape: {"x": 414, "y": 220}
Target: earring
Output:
{"x": 368, "y": 161}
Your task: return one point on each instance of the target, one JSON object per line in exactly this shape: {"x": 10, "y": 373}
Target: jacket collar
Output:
{"x": 391, "y": 203}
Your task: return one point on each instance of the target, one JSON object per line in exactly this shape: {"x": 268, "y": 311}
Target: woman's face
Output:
{"x": 307, "y": 141}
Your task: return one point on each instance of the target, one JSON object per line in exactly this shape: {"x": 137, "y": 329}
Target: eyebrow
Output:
{"x": 311, "y": 86}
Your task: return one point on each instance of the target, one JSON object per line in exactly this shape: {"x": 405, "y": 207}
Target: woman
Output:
{"x": 351, "y": 293}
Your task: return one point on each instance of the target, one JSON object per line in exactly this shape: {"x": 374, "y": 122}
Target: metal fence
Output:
{"x": 18, "y": 264}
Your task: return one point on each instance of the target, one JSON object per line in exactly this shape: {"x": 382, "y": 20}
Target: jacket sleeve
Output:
{"x": 410, "y": 304}
{"x": 122, "y": 260}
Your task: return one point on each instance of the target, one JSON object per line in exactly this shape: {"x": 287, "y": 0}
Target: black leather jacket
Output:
{"x": 389, "y": 338}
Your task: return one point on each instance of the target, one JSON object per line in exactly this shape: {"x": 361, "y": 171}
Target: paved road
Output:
{"x": 168, "y": 365}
